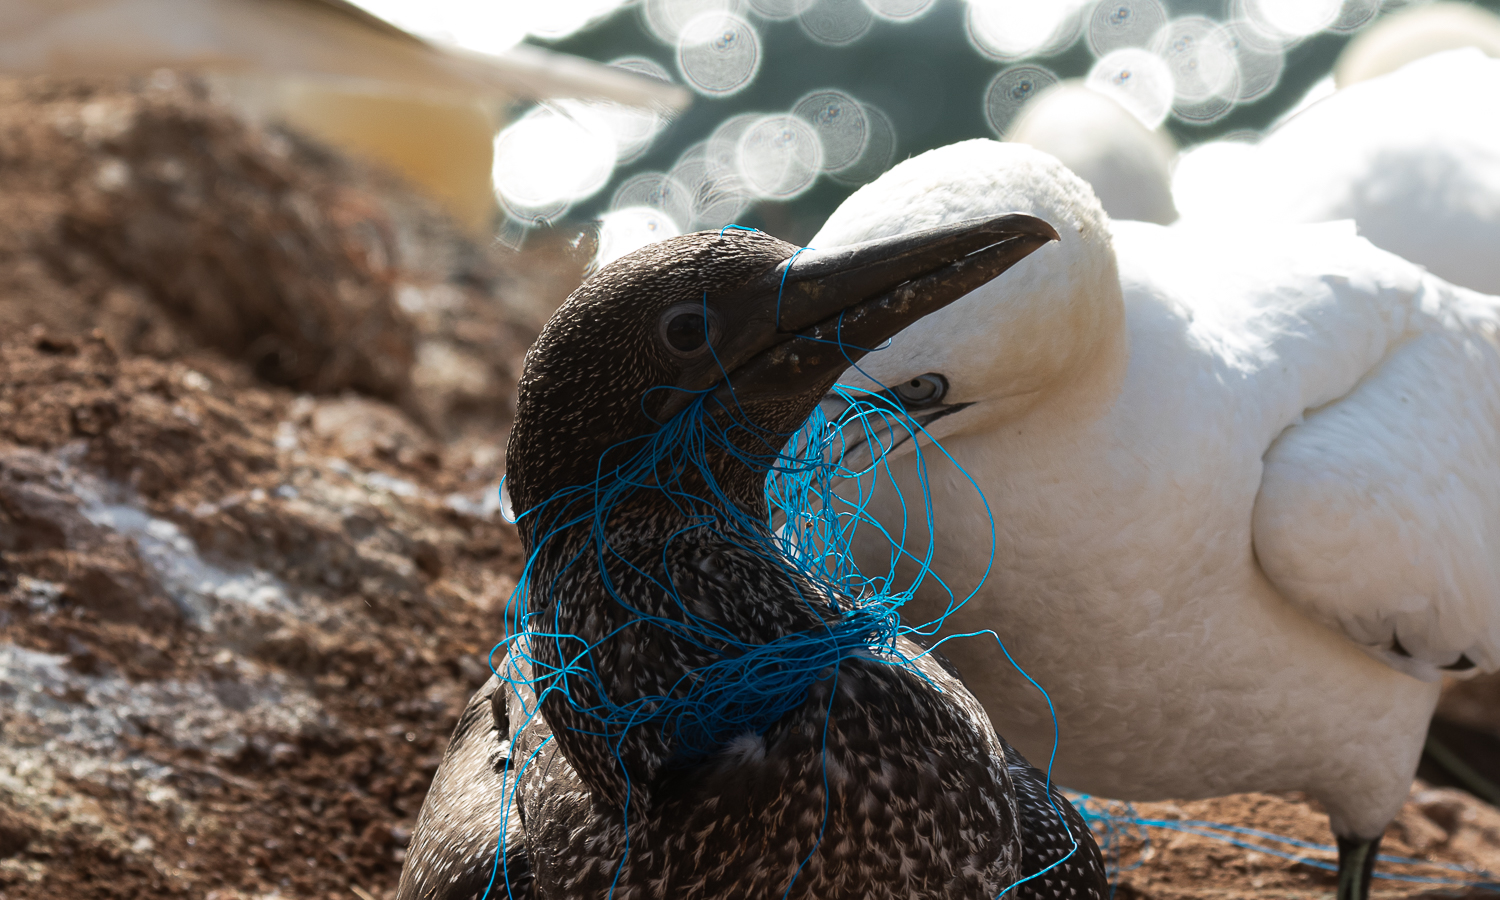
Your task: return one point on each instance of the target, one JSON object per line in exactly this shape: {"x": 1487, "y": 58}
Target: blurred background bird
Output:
{"x": 1412, "y": 156}
{"x": 331, "y": 69}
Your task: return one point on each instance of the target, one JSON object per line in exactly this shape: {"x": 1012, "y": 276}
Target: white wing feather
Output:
{"x": 1379, "y": 514}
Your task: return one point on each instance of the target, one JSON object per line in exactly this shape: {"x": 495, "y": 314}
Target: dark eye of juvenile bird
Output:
{"x": 687, "y": 332}
{"x": 924, "y": 390}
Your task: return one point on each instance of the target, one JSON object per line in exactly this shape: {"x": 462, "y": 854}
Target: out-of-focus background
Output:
{"x": 797, "y": 102}
{"x": 267, "y": 272}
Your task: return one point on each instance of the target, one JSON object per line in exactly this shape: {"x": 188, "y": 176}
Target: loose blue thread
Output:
{"x": 1115, "y": 822}
{"x": 820, "y": 506}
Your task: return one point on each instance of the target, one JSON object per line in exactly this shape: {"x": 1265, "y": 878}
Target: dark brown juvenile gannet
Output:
{"x": 878, "y": 775}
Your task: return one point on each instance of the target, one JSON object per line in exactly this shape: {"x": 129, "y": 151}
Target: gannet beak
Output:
{"x": 795, "y": 329}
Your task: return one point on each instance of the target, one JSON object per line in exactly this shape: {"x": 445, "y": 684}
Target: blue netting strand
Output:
{"x": 1115, "y": 822}
{"x": 818, "y": 507}
{"x": 819, "y": 503}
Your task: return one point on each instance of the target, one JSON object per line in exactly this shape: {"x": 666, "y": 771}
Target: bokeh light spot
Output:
{"x": 722, "y": 148}
{"x": 1124, "y": 23}
{"x": 1010, "y": 90}
{"x": 667, "y": 19}
{"x": 1013, "y": 29}
{"x": 898, "y": 10}
{"x": 1293, "y": 19}
{"x": 716, "y": 194}
{"x": 1205, "y": 71}
{"x": 839, "y": 121}
{"x": 879, "y": 153}
{"x": 1260, "y": 62}
{"x": 836, "y": 22}
{"x": 1138, "y": 80}
{"x": 718, "y": 54}
{"x": 658, "y": 191}
{"x": 779, "y": 157}
{"x": 780, "y": 10}
{"x": 627, "y": 230}
{"x": 551, "y": 157}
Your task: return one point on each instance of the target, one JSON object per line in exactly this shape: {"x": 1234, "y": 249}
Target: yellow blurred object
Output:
{"x": 327, "y": 67}
{"x": 444, "y": 148}
{"x": 1411, "y": 34}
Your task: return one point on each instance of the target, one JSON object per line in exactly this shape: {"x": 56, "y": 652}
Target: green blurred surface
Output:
{"x": 924, "y": 74}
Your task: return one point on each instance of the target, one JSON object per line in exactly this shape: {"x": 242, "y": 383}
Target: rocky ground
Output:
{"x": 253, "y": 401}
{"x": 1172, "y": 851}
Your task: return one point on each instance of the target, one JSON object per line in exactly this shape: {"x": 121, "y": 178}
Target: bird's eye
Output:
{"x": 924, "y": 390}
{"x": 689, "y": 329}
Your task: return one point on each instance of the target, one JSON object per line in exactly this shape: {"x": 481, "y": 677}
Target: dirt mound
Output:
{"x": 149, "y": 211}
{"x": 167, "y": 222}
{"x": 236, "y": 622}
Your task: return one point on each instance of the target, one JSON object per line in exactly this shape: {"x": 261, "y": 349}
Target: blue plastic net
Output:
{"x": 818, "y": 512}
{"x": 1118, "y": 827}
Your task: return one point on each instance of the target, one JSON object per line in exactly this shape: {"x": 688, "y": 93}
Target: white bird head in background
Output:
{"x": 1021, "y": 337}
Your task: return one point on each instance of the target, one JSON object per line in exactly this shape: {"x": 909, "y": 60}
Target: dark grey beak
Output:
{"x": 796, "y": 329}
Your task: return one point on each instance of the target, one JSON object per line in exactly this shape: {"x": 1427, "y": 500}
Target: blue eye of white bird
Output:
{"x": 924, "y": 390}
{"x": 688, "y": 330}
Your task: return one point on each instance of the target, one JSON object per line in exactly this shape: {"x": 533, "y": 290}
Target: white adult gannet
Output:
{"x": 1128, "y": 165}
{"x": 1246, "y": 491}
{"x": 1412, "y": 157}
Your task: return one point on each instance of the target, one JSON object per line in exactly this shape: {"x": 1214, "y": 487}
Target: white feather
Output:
{"x": 1226, "y": 466}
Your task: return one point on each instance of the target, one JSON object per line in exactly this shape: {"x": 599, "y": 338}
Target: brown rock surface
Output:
{"x": 236, "y": 623}
{"x": 168, "y": 223}
{"x": 231, "y": 647}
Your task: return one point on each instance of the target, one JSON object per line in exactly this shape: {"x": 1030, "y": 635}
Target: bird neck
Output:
{"x": 638, "y": 624}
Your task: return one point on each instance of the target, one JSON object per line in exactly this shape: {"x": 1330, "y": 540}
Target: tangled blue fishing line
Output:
{"x": 1115, "y": 823}
{"x": 817, "y": 505}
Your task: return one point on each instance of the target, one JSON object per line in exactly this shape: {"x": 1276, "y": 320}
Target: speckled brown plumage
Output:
{"x": 452, "y": 850}
{"x": 885, "y": 778}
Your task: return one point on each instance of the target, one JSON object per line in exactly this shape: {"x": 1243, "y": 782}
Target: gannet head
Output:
{"x": 1015, "y": 340}
{"x": 736, "y": 326}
